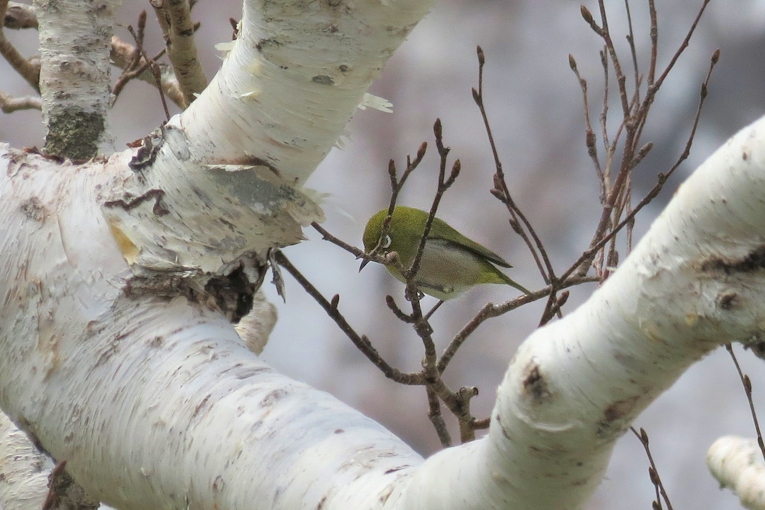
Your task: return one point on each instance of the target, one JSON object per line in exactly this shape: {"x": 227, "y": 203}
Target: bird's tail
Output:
{"x": 513, "y": 283}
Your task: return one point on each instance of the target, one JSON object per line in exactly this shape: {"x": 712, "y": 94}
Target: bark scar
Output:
{"x": 147, "y": 152}
{"x": 535, "y": 383}
{"x": 754, "y": 261}
{"x": 155, "y": 194}
{"x": 728, "y": 301}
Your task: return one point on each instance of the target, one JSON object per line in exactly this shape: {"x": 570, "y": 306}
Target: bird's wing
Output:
{"x": 442, "y": 231}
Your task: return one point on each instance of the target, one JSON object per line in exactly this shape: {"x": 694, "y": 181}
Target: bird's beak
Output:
{"x": 363, "y": 263}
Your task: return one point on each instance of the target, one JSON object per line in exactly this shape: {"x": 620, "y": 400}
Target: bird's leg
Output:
{"x": 409, "y": 297}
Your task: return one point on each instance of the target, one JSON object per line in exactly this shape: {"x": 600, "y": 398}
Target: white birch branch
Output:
{"x": 24, "y": 480}
{"x": 293, "y": 78}
{"x": 694, "y": 282}
{"x": 738, "y": 465}
{"x": 113, "y": 358}
{"x": 171, "y": 407}
{"x": 228, "y": 170}
{"x": 96, "y": 251}
{"x": 24, "y": 471}
{"x": 74, "y": 75}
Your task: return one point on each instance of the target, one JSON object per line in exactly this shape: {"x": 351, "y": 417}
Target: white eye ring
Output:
{"x": 385, "y": 242}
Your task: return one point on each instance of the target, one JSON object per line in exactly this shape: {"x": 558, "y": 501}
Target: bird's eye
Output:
{"x": 386, "y": 242}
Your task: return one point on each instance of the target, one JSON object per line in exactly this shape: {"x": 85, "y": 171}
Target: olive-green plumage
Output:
{"x": 451, "y": 263}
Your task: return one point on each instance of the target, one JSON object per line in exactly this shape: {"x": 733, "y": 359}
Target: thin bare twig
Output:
{"x": 747, "y": 383}
{"x": 135, "y": 64}
{"x": 338, "y": 242}
{"x": 654, "y": 35}
{"x": 360, "y": 341}
{"x": 682, "y": 47}
{"x": 9, "y": 104}
{"x": 518, "y": 220}
{"x": 633, "y": 50}
{"x": 491, "y": 310}
{"x": 396, "y": 186}
{"x": 121, "y": 54}
{"x": 501, "y": 190}
{"x": 661, "y": 178}
{"x": 154, "y": 69}
{"x": 437, "y": 419}
{"x": 26, "y": 68}
{"x": 653, "y": 473}
{"x": 592, "y": 147}
{"x": 430, "y": 377}
{"x": 444, "y": 184}
{"x": 617, "y": 210}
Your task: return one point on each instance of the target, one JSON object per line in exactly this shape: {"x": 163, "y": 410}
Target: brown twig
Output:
{"x": 28, "y": 69}
{"x": 661, "y": 178}
{"x": 135, "y": 64}
{"x": 747, "y": 383}
{"x": 430, "y": 376}
{"x": 396, "y": 186}
{"x": 10, "y": 104}
{"x": 518, "y": 221}
{"x": 589, "y": 140}
{"x": 121, "y": 54}
{"x": 360, "y": 341}
{"x": 338, "y": 242}
{"x": 400, "y": 315}
{"x": 654, "y": 35}
{"x": 617, "y": 211}
{"x": 553, "y": 307}
{"x": 491, "y": 310}
{"x": 501, "y": 190}
{"x": 444, "y": 183}
{"x": 683, "y": 45}
{"x": 456, "y": 402}
{"x": 153, "y": 67}
{"x": 437, "y": 419}
{"x": 653, "y": 473}
{"x": 633, "y": 50}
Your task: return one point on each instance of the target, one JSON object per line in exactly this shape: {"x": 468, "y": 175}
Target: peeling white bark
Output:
{"x": 694, "y": 282}
{"x": 107, "y": 370}
{"x": 25, "y": 470}
{"x": 113, "y": 358}
{"x": 154, "y": 402}
{"x": 255, "y": 327}
{"x": 229, "y": 169}
{"x": 294, "y": 77}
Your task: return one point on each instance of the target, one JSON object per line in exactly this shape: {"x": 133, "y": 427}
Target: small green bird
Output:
{"x": 451, "y": 263}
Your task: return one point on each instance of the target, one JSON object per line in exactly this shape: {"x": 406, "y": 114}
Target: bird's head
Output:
{"x": 402, "y": 237}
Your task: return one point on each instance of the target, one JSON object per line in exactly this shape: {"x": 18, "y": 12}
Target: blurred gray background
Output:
{"x": 535, "y": 106}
